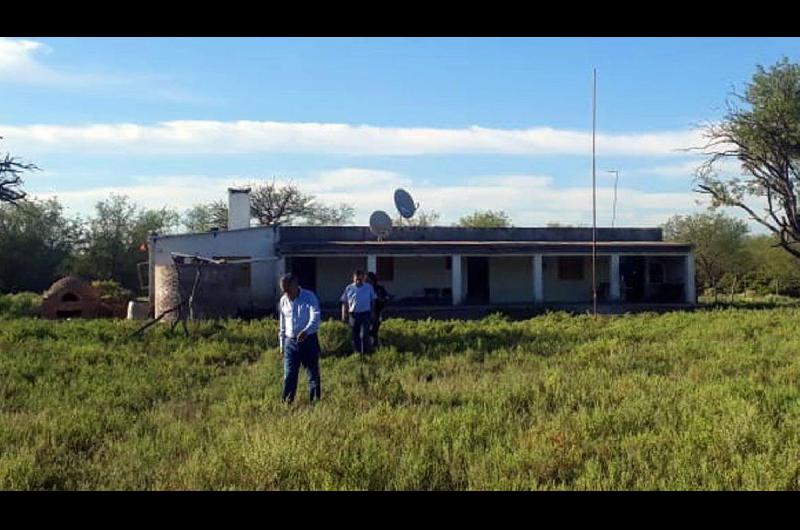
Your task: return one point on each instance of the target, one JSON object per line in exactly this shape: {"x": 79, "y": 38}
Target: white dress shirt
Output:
{"x": 300, "y": 314}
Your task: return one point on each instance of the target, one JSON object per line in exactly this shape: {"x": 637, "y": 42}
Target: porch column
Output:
{"x": 372, "y": 263}
{"x": 538, "y": 280}
{"x": 689, "y": 286}
{"x": 613, "y": 278}
{"x": 455, "y": 279}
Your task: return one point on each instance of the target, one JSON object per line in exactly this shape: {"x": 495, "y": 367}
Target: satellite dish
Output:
{"x": 404, "y": 203}
{"x": 380, "y": 223}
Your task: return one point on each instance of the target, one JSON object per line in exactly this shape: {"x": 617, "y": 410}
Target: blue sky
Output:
{"x": 462, "y": 123}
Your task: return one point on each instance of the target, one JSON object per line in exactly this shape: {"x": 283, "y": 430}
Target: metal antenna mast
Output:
{"x": 614, "y": 208}
{"x": 594, "y": 194}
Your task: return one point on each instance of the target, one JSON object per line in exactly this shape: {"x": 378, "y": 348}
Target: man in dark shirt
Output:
{"x": 382, "y": 297}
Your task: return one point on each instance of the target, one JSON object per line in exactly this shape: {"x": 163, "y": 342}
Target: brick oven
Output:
{"x": 71, "y": 297}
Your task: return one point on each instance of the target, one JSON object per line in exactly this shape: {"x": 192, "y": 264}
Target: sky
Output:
{"x": 464, "y": 124}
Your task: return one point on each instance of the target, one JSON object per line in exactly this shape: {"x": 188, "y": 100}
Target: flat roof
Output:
{"x": 477, "y": 247}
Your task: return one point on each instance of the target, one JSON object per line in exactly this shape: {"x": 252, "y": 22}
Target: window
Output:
{"x": 69, "y": 297}
{"x": 570, "y": 268}
{"x": 656, "y": 273}
{"x": 385, "y": 268}
{"x": 448, "y": 263}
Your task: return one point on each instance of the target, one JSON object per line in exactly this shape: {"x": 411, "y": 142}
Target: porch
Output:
{"x": 424, "y": 282}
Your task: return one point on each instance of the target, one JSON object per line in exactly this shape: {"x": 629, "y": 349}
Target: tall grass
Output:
{"x": 703, "y": 400}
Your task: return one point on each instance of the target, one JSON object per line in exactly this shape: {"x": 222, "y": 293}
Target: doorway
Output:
{"x": 632, "y": 278}
{"x": 477, "y": 280}
{"x": 305, "y": 268}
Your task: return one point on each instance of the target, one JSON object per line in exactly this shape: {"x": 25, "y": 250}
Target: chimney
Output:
{"x": 238, "y": 208}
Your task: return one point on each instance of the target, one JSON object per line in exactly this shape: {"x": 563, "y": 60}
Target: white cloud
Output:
{"x": 237, "y": 137}
{"x": 20, "y": 63}
{"x": 180, "y": 192}
{"x": 345, "y": 180}
{"x": 17, "y": 56}
{"x": 530, "y": 200}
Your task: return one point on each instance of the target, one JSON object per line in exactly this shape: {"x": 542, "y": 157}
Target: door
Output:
{"x": 477, "y": 280}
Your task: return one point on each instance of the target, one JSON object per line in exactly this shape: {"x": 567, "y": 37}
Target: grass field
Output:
{"x": 703, "y": 400}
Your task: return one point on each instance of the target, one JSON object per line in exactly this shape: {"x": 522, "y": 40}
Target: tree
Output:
{"x": 274, "y": 205}
{"x": 116, "y": 237}
{"x": 772, "y": 270}
{"x": 422, "y": 218}
{"x": 204, "y": 217}
{"x": 11, "y": 170}
{"x": 36, "y": 244}
{"x": 763, "y": 136}
{"x": 338, "y": 215}
{"x": 718, "y": 241}
{"x": 486, "y": 219}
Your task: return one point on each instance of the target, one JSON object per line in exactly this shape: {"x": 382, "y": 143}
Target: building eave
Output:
{"x": 349, "y": 248}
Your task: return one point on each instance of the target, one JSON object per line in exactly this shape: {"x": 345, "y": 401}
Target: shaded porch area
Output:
{"x": 535, "y": 281}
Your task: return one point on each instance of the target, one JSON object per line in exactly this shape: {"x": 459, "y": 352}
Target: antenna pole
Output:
{"x": 594, "y": 194}
{"x": 614, "y": 208}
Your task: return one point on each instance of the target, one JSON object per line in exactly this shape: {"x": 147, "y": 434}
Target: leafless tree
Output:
{"x": 11, "y": 170}
{"x": 274, "y": 204}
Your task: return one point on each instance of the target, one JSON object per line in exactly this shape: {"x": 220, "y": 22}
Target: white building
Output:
{"x": 425, "y": 267}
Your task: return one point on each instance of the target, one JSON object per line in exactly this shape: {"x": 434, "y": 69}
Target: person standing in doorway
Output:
{"x": 358, "y": 308}
{"x": 297, "y": 337}
{"x": 381, "y": 298}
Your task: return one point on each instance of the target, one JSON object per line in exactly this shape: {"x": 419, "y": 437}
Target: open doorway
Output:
{"x": 305, "y": 268}
{"x": 632, "y": 278}
{"x": 477, "y": 280}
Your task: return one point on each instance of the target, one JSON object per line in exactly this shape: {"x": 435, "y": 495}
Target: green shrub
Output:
{"x": 20, "y": 305}
{"x": 112, "y": 291}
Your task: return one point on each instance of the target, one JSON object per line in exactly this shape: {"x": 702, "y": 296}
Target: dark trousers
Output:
{"x": 359, "y": 324}
{"x": 295, "y": 354}
{"x": 374, "y": 327}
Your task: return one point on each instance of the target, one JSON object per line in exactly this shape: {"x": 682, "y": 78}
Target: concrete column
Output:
{"x": 455, "y": 279}
{"x": 372, "y": 263}
{"x": 689, "y": 286}
{"x": 613, "y": 278}
{"x": 538, "y": 279}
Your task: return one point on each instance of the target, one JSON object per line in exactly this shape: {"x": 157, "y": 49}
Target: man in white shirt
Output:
{"x": 297, "y": 337}
{"x": 358, "y": 307}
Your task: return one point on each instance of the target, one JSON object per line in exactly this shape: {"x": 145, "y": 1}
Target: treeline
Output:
{"x": 40, "y": 243}
{"x": 730, "y": 260}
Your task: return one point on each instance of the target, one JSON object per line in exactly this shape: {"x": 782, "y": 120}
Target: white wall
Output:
{"x": 334, "y": 274}
{"x": 510, "y": 279}
{"x": 556, "y": 290}
{"x": 253, "y": 243}
{"x": 412, "y": 275}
